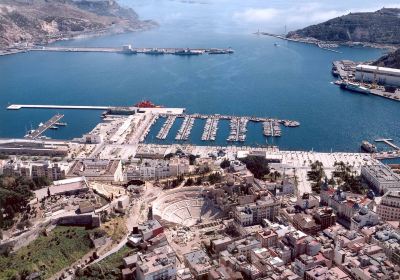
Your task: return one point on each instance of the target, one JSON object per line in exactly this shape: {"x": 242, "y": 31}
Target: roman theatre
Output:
{"x": 186, "y": 206}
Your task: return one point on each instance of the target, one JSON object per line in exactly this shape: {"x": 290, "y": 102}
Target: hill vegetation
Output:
{"x": 48, "y": 254}
{"x": 44, "y": 21}
{"x": 381, "y": 27}
{"x": 391, "y": 60}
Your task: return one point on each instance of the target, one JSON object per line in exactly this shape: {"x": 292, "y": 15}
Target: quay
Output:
{"x": 320, "y": 44}
{"x": 127, "y": 49}
{"x": 34, "y": 134}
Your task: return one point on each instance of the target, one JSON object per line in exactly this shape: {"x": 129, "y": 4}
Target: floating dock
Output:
{"x": 43, "y": 127}
{"x": 186, "y": 128}
{"x": 238, "y": 130}
{"x": 210, "y": 129}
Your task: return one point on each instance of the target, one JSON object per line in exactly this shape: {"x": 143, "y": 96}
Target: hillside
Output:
{"x": 44, "y": 21}
{"x": 381, "y": 27}
{"x": 391, "y": 60}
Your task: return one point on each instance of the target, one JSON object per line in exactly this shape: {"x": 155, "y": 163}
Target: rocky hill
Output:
{"x": 380, "y": 27}
{"x": 391, "y": 60}
{"x": 44, "y": 21}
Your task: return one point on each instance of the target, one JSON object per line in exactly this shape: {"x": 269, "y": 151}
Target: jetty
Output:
{"x": 34, "y": 134}
{"x": 127, "y": 49}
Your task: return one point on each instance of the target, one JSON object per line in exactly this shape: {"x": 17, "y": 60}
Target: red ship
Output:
{"x": 147, "y": 104}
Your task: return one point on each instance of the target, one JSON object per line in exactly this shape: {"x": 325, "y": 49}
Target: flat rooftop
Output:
{"x": 377, "y": 69}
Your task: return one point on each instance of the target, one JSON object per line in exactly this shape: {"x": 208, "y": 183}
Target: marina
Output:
{"x": 238, "y": 128}
{"x": 210, "y": 129}
{"x": 186, "y": 128}
{"x": 169, "y": 122}
{"x": 50, "y": 124}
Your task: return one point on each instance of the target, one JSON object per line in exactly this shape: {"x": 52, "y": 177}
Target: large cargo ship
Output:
{"x": 354, "y": 87}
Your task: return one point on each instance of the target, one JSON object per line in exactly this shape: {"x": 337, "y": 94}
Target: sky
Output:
{"x": 268, "y": 15}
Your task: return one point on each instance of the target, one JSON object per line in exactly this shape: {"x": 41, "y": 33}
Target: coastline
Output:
{"x": 332, "y": 44}
{"x": 144, "y": 26}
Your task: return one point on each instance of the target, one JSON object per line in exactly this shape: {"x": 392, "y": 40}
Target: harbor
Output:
{"x": 139, "y": 119}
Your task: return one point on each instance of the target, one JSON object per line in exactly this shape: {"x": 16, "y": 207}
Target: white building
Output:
{"x": 150, "y": 169}
{"x": 381, "y": 177}
{"x": 389, "y": 206}
{"x": 376, "y": 74}
{"x": 159, "y": 264}
{"x": 253, "y": 213}
{"x": 364, "y": 217}
{"x": 97, "y": 170}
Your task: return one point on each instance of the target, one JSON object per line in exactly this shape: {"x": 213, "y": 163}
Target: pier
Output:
{"x": 272, "y": 128}
{"x": 166, "y": 128}
{"x": 388, "y": 142}
{"x": 210, "y": 129}
{"x": 185, "y": 129}
{"x": 32, "y": 135}
{"x": 129, "y": 50}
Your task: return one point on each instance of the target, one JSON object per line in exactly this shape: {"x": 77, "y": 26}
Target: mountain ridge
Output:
{"x": 38, "y": 22}
{"x": 380, "y": 27}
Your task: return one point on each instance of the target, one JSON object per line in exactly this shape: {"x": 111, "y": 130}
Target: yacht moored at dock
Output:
{"x": 368, "y": 147}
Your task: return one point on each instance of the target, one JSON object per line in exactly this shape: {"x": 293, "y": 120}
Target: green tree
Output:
{"x": 257, "y": 165}
{"x": 225, "y": 164}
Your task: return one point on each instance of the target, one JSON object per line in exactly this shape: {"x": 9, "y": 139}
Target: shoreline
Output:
{"x": 318, "y": 43}
{"x": 148, "y": 25}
